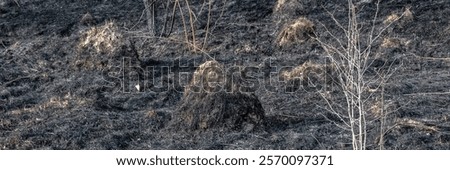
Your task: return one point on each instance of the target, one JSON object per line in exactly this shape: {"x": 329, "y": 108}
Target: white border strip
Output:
{"x": 347, "y": 160}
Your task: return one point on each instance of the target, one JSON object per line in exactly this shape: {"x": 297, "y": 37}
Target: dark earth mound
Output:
{"x": 70, "y": 70}
{"x": 213, "y": 99}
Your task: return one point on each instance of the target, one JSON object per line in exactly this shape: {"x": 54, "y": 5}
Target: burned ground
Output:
{"x": 60, "y": 90}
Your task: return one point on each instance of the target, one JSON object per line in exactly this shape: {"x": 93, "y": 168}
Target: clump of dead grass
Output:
{"x": 400, "y": 20}
{"x": 391, "y": 43}
{"x": 380, "y": 109}
{"x": 55, "y": 102}
{"x": 105, "y": 39}
{"x": 302, "y": 71}
{"x": 208, "y": 77}
{"x": 391, "y": 19}
{"x": 279, "y": 5}
{"x": 286, "y": 6}
{"x": 245, "y": 49}
{"x": 310, "y": 74}
{"x": 408, "y": 15}
{"x": 299, "y": 31}
{"x": 151, "y": 114}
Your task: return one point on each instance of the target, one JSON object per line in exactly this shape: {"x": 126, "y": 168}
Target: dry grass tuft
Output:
{"x": 208, "y": 76}
{"x": 406, "y": 17}
{"x": 105, "y": 39}
{"x": 151, "y": 114}
{"x": 245, "y": 49}
{"x": 300, "y": 30}
{"x": 310, "y": 74}
{"x": 391, "y": 43}
{"x": 287, "y": 6}
{"x": 417, "y": 124}
{"x": 297, "y": 72}
{"x": 279, "y": 5}
{"x": 377, "y": 109}
{"x": 302, "y": 71}
{"x": 207, "y": 70}
{"x": 391, "y": 19}
{"x": 380, "y": 109}
{"x": 66, "y": 102}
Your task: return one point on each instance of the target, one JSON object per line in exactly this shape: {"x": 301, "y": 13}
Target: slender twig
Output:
{"x": 163, "y": 32}
{"x": 3, "y": 44}
{"x": 184, "y": 23}
{"x": 150, "y": 14}
{"x": 207, "y": 25}
{"x": 17, "y": 3}
{"x": 220, "y": 16}
{"x": 191, "y": 21}
{"x": 174, "y": 9}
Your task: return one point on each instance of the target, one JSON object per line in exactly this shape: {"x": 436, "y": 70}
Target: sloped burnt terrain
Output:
{"x": 69, "y": 72}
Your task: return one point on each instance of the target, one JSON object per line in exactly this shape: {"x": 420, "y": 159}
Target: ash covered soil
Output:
{"x": 61, "y": 62}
